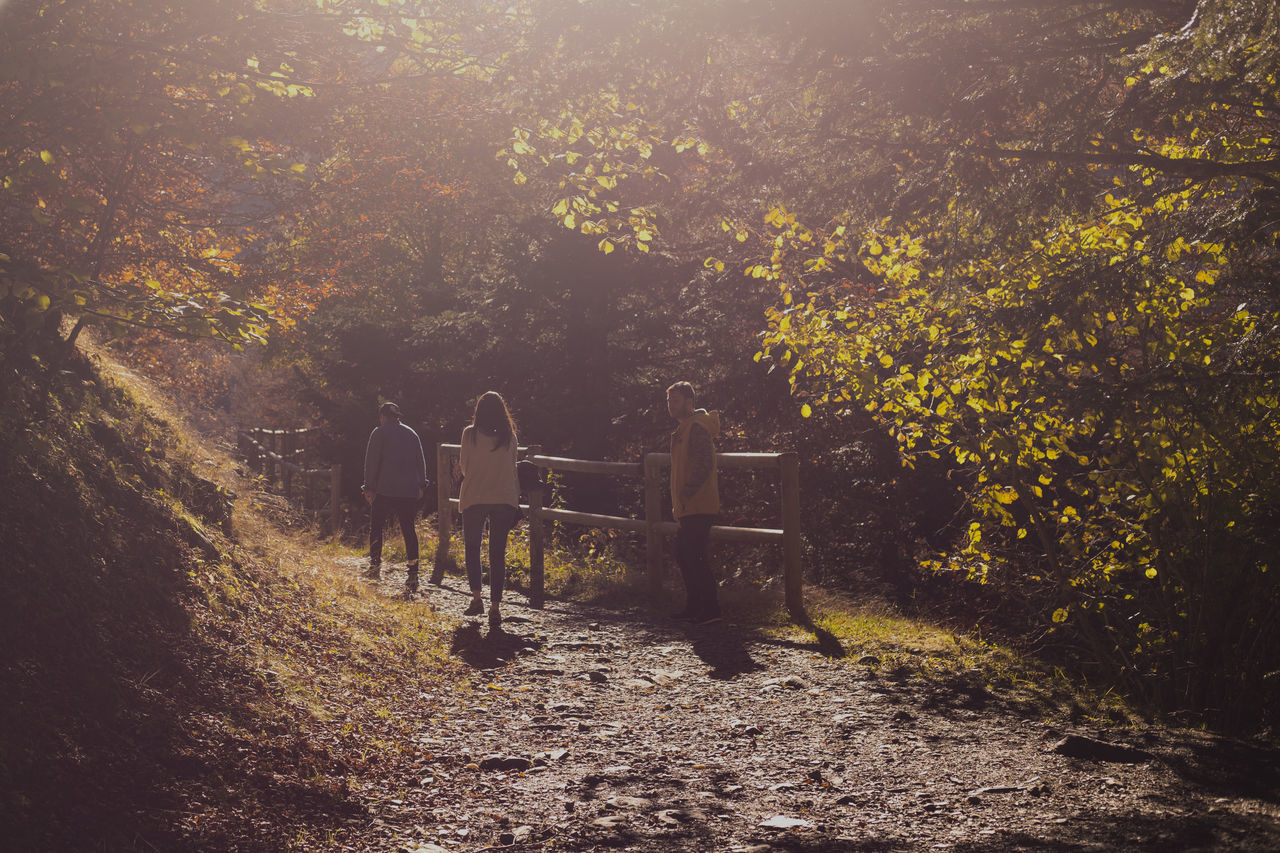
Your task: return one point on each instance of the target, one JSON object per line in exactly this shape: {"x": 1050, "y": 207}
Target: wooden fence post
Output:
{"x": 793, "y": 576}
{"x": 269, "y": 464}
{"x": 286, "y": 469}
{"x": 537, "y": 568}
{"x": 652, "y": 518}
{"x": 444, "y": 512}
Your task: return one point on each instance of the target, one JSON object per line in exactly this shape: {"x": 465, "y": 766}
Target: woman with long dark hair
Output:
{"x": 490, "y": 492}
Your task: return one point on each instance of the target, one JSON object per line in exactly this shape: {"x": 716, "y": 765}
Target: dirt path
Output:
{"x": 598, "y": 729}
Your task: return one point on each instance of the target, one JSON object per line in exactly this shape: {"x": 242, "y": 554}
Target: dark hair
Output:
{"x": 684, "y": 389}
{"x": 492, "y": 418}
{"x": 389, "y": 409}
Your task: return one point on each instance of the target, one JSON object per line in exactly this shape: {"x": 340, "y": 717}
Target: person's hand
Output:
{"x": 368, "y": 496}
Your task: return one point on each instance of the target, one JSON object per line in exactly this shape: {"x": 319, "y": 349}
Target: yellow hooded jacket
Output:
{"x": 706, "y": 500}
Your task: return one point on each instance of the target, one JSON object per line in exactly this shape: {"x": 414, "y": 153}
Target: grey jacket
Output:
{"x": 393, "y": 462}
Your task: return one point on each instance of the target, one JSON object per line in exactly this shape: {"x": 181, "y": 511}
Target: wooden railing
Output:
{"x": 652, "y": 525}
{"x": 276, "y": 455}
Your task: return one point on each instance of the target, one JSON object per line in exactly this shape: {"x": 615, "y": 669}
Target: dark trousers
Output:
{"x": 501, "y": 518}
{"x": 405, "y": 510}
{"x": 695, "y": 565}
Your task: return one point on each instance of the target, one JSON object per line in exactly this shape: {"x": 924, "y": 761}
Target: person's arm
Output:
{"x": 701, "y": 453}
{"x": 464, "y": 455}
{"x": 372, "y": 463}
{"x": 422, "y": 468}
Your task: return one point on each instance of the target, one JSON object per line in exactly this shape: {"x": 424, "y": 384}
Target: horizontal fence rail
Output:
{"x": 272, "y": 454}
{"x": 652, "y": 525}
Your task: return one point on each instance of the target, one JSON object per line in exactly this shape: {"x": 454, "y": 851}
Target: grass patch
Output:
{"x": 938, "y": 659}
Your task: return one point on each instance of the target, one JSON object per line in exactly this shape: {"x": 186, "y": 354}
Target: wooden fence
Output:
{"x": 652, "y": 525}
{"x": 277, "y": 455}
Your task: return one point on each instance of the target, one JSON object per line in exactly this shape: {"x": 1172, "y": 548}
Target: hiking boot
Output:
{"x": 374, "y": 572}
{"x": 475, "y": 608}
{"x": 495, "y": 616}
{"x": 411, "y": 581}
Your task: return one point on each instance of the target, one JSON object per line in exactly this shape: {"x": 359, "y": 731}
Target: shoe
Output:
{"x": 374, "y": 572}
{"x": 708, "y": 619}
{"x": 411, "y": 582}
{"x": 437, "y": 577}
{"x": 495, "y": 616}
{"x": 475, "y": 608}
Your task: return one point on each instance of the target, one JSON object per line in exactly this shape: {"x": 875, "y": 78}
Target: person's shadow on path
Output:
{"x": 825, "y": 643}
{"x": 489, "y": 650}
{"x": 723, "y": 649}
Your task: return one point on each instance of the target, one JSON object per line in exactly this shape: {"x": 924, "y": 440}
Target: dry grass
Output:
{"x": 378, "y": 630}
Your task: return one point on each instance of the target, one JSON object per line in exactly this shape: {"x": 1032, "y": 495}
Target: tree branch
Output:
{"x": 1189, "y": 167}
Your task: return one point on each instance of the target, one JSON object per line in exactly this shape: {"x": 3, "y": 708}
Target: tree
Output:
{"x": 143, "y": 158}
{"x": 1035, "y": 241}
{"x": 1102, "y": 374}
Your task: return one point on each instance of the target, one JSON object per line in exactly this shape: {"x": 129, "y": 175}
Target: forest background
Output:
{"x": 1002, "y": 271}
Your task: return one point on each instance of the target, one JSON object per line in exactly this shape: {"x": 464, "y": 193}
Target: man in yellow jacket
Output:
{"x": 695, "y": 500}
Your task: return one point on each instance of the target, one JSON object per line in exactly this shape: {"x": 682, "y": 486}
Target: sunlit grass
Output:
{"x": 345, "y": 638}
{"x": 875, "y": 636}
{"x": 318, "y": 631}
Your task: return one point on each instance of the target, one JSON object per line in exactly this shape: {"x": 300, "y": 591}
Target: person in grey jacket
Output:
{"x": 395, "y": 479}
